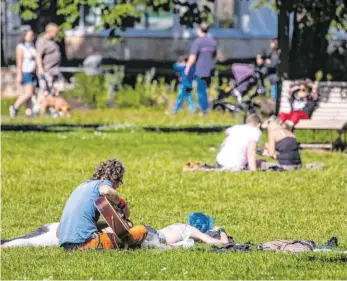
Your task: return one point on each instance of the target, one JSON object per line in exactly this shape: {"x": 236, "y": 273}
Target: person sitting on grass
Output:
{"x": 281, "y": 146}
{"x": 303, "y": 97}
{"x": 238, "y": 151}
{"x": 185, "y": 85}
{"x": 200, "y": 228}
{"x": 78, "y": 225}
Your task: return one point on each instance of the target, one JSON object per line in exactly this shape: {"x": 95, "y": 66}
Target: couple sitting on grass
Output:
{"x": 79, "y": 227}
{"x": 239, "y": 148}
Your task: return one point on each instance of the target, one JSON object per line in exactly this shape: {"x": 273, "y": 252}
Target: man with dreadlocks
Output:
{"x": 78, "y": 225}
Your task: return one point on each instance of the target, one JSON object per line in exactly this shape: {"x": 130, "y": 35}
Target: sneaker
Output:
{"x": 13, "y": 111}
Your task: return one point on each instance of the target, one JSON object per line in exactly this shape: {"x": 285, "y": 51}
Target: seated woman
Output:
{"x": 303, "y": 97}
{"x": 282, "y": 146}
{"x": 200, "y": 228}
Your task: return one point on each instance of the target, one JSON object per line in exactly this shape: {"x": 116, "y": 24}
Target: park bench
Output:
{"x": 330, "y": 113}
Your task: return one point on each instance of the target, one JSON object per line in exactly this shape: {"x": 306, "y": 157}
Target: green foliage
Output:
{"x": 91, "y": 90}
{"x": 146, "y": 93}
{"x": 115, "y": 17}
{"x": 40, "y": 170}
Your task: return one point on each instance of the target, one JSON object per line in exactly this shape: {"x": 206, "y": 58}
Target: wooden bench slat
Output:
{"x": 319, "y": 125}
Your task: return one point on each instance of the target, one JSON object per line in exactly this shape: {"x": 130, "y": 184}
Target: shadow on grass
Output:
{"x": 324, "y": 259}
{"x": 59, "y": 128}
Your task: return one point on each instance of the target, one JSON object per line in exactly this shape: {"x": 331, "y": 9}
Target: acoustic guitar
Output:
{"x": 115, "y": 220}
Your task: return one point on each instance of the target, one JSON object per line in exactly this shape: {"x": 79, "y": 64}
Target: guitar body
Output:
{"x": 116, "y": 222}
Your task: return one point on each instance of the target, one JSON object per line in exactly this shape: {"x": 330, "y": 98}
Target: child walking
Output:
{"x": 185, "y": 85}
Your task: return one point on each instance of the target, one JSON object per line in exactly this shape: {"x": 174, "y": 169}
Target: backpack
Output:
{"x": 293, "y": 246}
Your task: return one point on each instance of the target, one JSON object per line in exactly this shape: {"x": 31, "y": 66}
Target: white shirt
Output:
{"x": 29, "y": 57}
{"x": 233, "y": 151}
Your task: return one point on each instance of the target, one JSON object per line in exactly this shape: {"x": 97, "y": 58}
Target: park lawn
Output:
{"x": 130, "y": 117}
{"x": 40, "y": 170}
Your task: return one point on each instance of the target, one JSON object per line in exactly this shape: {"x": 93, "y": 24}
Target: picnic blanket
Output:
{"x": 192, "y": 166}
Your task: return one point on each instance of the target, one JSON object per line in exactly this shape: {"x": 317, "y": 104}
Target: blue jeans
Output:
{"x": 184, "y": 93}
{"x": 202, "y": 94}
{"x": 274, "y": 91}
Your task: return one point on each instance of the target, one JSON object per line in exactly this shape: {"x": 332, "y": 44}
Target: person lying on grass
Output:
{"x": 200, "y": 228}
{"x": 78, "y": 224}
{"x": 239, "y": 148}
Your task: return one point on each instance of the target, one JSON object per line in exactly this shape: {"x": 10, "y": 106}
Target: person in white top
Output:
{"x": 26, "y": 59}
{"x": 238, "y": 151}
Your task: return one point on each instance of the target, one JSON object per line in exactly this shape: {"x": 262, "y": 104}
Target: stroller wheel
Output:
{"x": 219, "y": 108}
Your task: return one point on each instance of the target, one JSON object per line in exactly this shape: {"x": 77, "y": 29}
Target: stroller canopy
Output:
{"x": 242, "y": 71}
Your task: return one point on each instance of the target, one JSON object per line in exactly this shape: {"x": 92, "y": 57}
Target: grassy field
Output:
{"x": 40, "y": 170}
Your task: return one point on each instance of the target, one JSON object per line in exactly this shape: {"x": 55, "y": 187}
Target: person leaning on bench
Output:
{"x": 303, "y": 97}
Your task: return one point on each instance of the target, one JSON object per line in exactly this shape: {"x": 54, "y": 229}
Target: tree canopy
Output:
{"x": 66, "y": 12}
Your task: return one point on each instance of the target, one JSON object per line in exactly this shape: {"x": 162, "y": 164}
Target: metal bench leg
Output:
{"x": 339, "y": 144}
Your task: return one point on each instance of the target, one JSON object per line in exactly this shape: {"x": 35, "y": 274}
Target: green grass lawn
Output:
{"x": 40, "y": 170}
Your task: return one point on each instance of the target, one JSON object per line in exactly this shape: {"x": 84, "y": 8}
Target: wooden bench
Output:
{"x": 330, "y": 113}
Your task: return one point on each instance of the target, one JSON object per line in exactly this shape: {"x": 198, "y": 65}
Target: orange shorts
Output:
{"x": 107, "y": 241}
{"x": 100, "y": 241}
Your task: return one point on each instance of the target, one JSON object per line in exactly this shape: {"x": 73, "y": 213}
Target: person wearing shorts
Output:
{"x": 49, "y": 61}
{"x": 51, "y": 81}
{"x": 26, "y": 61}
{"x": 78, "y": 225}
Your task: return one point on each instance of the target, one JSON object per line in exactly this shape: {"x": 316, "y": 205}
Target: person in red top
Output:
{"x": 303, "y": 97}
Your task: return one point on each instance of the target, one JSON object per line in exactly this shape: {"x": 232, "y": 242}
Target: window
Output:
{"x": 224, "y": 13}
{"x": 155, "y": 20}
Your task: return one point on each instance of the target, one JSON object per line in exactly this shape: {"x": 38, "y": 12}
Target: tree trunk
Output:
{"x": 309, "y": 45}
{"x": 3, "y": 62}
{"x": 283, "y": 8}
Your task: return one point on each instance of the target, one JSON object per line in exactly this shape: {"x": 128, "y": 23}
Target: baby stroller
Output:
{"x": 246, "y": 77}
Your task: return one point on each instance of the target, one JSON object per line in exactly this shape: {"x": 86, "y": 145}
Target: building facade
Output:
{"x": 241, "y": 30}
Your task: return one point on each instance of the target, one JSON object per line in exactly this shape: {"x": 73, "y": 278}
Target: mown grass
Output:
{"x": 39, "y": 171}
{"x": 135, "y": 119}
{"x": 139, "y": 117}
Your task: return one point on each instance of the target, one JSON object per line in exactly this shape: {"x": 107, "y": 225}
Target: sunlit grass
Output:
{"x": 39, "y": 171}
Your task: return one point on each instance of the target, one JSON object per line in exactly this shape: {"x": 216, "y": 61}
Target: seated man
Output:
{"x": 238, "y": 151}
{"x": 78, "y": 225}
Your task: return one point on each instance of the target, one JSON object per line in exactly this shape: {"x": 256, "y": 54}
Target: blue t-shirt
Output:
{"x": 80, "y": 215}
{"x": 205, "y": 49}
{"x": 185, "y": 80}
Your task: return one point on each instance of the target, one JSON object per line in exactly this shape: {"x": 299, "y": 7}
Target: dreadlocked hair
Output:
{"x": 112, "y": 170}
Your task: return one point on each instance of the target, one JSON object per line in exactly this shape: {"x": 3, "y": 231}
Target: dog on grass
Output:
{"x": 60, "y": 105}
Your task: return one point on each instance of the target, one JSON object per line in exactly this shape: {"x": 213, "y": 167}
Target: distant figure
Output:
{"x": 203, "y": 54}
{"x": 92, "y": 65}
{"x": 238, "y": 151}
{"x": 185, "y": 86}
{"x": 51, "y": 79}
{"x": 26, "y": 58}
{"x": 271, "y": 64}
{"x": 303, "y": 97}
